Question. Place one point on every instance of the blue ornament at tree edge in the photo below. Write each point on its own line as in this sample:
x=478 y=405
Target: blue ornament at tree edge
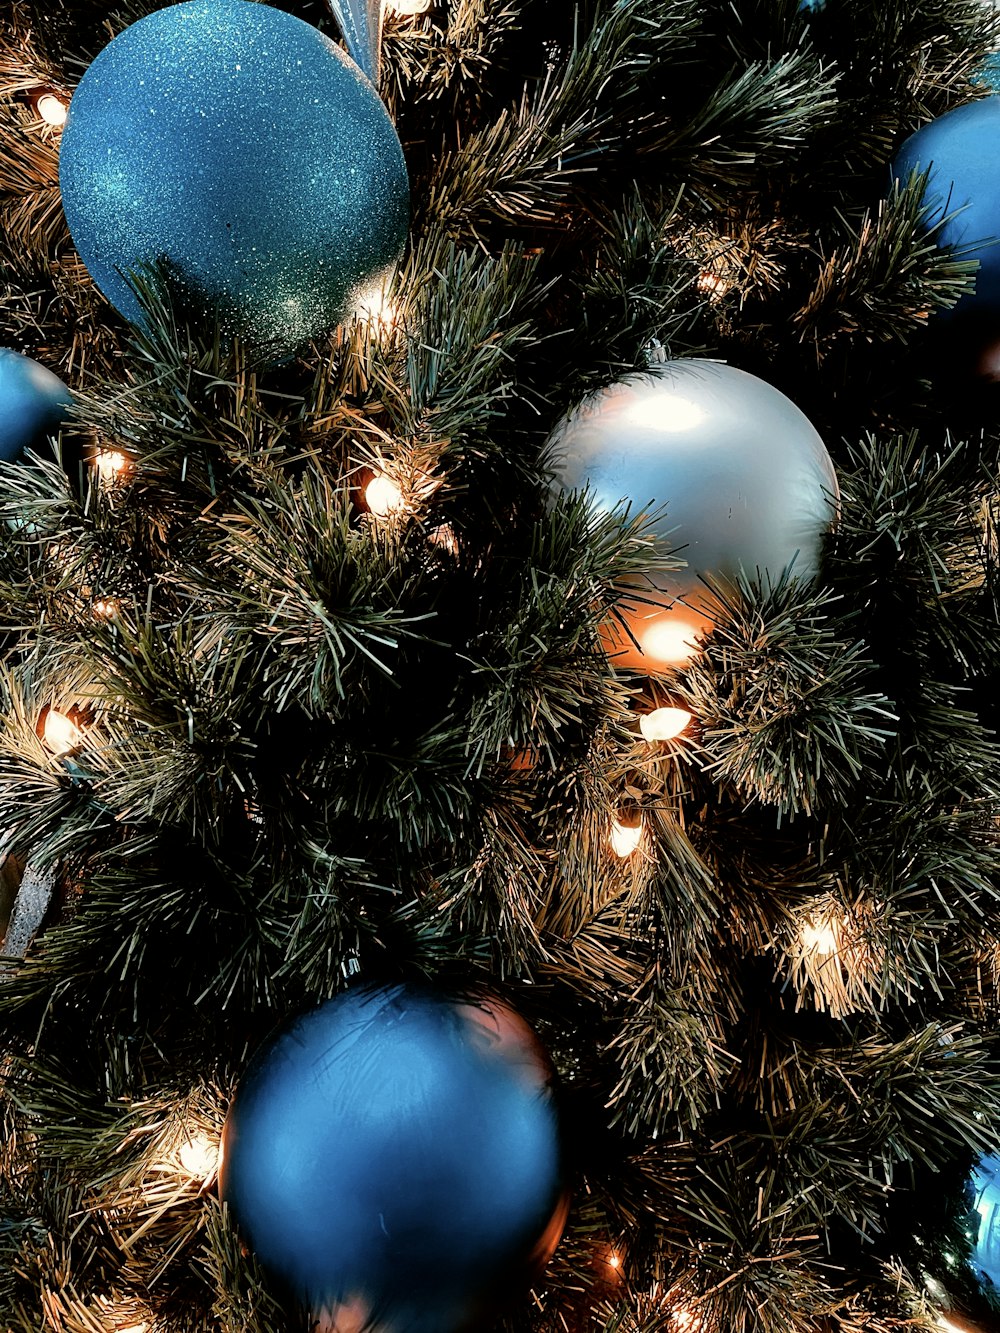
x=393 y=1159
x=240 y=151
x=986 y=1201
x=959 y=150
x=33 y=404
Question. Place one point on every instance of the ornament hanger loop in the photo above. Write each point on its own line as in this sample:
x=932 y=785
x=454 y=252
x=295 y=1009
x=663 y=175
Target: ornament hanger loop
x=360 y=23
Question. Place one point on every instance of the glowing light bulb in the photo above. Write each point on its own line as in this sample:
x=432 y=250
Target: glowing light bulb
x=685 y=1320
x=713 y=286
x=110 y=465
x=668 y=639
x=625 y=838
x=820 y=938
x=199 y=1157
x=614 y=1261
x=663 y=724
x=444 y=537
x=105 y=609
x=383 y=496
x=408 y=8
x=51 y=109
x=61 y=733
x=376 y=305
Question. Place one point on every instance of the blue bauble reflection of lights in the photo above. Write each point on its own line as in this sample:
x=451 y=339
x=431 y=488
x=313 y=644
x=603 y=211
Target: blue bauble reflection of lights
x=986 y=1187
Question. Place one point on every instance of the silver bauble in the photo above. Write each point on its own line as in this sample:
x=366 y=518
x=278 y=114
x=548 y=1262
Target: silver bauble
x=734 y=475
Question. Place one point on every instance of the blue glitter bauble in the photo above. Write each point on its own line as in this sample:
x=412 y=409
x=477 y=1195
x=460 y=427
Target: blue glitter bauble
x=960 y=151
x=240 y=150
x=33 y=404
x=393 y=1158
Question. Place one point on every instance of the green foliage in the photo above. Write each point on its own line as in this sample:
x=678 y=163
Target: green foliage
x=316 y=743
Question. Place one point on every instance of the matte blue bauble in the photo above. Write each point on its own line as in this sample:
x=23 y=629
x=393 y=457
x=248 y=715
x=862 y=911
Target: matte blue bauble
x=960 y=150
x=241 y=150
x=33 y=404
x=393 y=1159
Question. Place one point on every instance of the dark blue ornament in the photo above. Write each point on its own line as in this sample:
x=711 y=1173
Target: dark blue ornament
x=393 y=1158
x=33 y=404
x=243 y=153
x=960 y=151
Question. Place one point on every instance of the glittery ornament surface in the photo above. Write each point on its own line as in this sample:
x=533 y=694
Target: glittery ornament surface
x=241 y=151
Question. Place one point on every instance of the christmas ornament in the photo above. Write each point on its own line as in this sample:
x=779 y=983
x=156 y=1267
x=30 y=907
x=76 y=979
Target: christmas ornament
x=33 y=404
x=736 y=479
x=963 y=185
x=243 y=153
x=986 y=1188
x=393 y=1158
x=361 y=23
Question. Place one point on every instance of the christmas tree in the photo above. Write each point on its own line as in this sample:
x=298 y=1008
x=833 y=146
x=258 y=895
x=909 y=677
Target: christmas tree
x=317 y=672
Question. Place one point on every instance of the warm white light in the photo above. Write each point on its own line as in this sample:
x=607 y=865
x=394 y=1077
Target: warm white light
x=686 y=1321
x=110 y=465
x=375 y=304
x=383 y=496
x=615 y=1261
x=667 y=639
x=663 y=724
x=625 y=838
x=51 y=109
x=199 y=1157
x=660 y=412
x=445 y=538
x=105 y=610
x=61 y=733
x=820 y=938
x=408 y=8
x=713 y=286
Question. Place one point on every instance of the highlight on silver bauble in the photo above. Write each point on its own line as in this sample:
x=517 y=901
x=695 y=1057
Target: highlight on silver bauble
x=733 y=475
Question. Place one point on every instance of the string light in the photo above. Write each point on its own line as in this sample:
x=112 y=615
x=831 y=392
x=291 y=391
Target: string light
x=383 y=496
x=61 y=734
x=625 y=838
x=377 y=306
x=821 y=938
x=51 y=109
x=444 y=538
x=668 y=639
x=713 y=286
x=105 y=609
x=110 y=465
x=664 y=724
x=199 y=1157
x=685 y=1320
